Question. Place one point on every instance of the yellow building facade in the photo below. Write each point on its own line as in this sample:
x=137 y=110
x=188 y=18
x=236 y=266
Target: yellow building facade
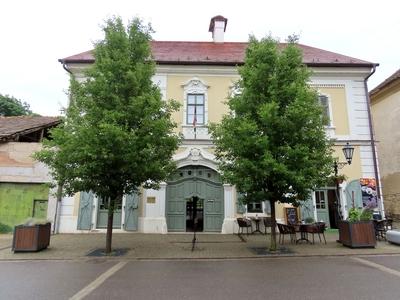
x=201 y=77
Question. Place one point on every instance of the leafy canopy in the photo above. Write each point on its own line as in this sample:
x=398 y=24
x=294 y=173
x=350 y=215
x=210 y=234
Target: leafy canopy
x=117 y=134
x=10 y=106
x=272 y=145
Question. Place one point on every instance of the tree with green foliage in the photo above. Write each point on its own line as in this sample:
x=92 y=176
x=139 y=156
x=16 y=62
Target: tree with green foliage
x=117 y=134
x=273 y=145
x=10 y=106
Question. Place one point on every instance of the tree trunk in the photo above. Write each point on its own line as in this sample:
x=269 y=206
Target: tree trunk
x=110 y=225
x=273 y=227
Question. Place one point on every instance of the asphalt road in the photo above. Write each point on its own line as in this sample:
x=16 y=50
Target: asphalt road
x=372 y=277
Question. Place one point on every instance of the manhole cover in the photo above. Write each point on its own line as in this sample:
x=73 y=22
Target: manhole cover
x=102 y=252
x=266 y=251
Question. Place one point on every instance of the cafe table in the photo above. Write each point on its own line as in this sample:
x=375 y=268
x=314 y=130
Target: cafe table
x=304 y=229
x=257 y=221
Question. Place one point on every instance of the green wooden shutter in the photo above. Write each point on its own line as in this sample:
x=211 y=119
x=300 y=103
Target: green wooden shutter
x=267 y=209
x=240 y=206
x=307 y=208
x=85 y=211
x=353 y=188
x=131 y=212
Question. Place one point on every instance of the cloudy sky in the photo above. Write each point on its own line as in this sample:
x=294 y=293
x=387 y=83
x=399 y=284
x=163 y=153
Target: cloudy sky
x=35 y=34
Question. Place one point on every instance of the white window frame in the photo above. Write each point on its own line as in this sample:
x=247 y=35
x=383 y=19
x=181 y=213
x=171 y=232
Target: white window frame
x=195 y=86
x=329 y=100
x=196 y=105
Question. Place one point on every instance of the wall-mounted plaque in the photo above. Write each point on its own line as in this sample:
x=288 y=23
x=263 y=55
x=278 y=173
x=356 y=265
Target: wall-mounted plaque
x=151 y=200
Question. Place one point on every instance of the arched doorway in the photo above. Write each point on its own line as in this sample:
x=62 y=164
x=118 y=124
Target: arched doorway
x=195 y=195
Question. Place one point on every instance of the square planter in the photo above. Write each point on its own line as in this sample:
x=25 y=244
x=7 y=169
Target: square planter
x=359 y=234
x=31 y=238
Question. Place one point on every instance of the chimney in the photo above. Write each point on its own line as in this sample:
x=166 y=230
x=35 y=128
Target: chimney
x=218 y=27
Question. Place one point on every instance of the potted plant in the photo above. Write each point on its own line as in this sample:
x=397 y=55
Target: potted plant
x=309 y=220
x=358 y=230
x=338 y=179
x=33 y=235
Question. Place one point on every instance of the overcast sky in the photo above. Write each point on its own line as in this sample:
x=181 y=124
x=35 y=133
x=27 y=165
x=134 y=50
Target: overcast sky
x=35 y=34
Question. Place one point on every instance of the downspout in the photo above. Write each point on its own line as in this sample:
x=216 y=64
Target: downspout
x=64 y=64
x=371 y=132
x=58 y=200
x=65 y=67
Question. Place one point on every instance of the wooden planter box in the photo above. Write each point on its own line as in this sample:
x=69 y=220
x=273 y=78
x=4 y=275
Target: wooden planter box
x=31 y=238
x=359 y=234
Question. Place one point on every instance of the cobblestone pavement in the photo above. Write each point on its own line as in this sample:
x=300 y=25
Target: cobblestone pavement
x=179 y=246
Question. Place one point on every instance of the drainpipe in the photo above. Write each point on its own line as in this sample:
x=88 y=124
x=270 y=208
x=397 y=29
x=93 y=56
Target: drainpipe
x=58 y=200
x=65 y=67
x=371 y=132
x=71 y=75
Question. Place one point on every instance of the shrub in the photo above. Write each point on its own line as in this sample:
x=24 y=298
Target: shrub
x=356 y=214
x=366 y=214
x=4 y=228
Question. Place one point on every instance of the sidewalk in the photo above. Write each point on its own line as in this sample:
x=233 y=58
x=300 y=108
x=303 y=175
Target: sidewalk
x=179 y=246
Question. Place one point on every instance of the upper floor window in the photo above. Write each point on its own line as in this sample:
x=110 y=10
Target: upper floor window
x=195 y=109
x=324 y=102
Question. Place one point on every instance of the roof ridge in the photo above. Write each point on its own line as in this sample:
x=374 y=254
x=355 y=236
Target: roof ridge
x=199 y=42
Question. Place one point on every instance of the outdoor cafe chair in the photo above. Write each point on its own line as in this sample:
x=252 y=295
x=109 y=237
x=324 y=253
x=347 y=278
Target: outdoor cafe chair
x=321 y=230
x=244 y=223
x=380 y=229
x=317 y=228
x=267 y=223
x=388 y=224
x=286 y=230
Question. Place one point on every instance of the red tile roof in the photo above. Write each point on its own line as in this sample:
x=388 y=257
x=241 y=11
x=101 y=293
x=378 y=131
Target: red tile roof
x=13 y=126
x=228 y=53
x=391 y=79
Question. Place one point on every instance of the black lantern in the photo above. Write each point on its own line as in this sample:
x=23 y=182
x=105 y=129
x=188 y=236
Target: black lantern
x=348 y=153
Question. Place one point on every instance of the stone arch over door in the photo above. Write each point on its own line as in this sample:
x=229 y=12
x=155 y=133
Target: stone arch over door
x=195 y=181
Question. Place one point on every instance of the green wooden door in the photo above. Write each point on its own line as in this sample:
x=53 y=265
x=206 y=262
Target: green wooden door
x=131 y=212
x=321 y=204
x=102 y=214
x=176 y=206
x=195 y=181
x=213 y=195
x=85 y=211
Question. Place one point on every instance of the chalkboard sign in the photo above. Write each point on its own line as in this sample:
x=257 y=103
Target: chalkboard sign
x=291 y=215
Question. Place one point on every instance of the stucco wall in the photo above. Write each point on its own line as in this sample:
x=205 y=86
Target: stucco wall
x=338 y=105
x=217 y=94
x=17 y=164
x=386 y=117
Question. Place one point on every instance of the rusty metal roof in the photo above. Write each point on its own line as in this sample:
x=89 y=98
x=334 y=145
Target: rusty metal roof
x=12 y=127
